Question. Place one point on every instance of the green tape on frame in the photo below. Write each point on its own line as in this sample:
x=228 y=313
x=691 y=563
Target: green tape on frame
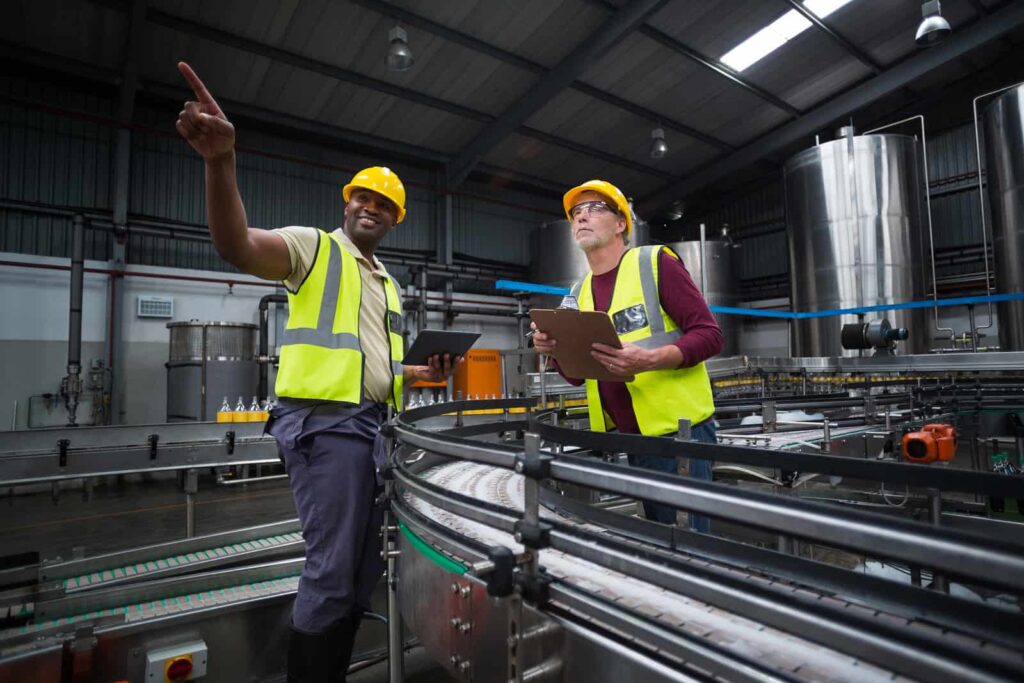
x=440 y=559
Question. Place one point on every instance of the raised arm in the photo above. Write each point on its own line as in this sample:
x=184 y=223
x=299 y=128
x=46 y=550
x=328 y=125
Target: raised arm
x=203 y=124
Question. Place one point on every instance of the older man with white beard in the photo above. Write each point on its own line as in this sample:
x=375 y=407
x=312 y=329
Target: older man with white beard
x=663 y=323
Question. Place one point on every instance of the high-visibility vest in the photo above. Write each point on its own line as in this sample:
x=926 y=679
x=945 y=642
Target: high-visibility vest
x=660 y=397
x=321 y=357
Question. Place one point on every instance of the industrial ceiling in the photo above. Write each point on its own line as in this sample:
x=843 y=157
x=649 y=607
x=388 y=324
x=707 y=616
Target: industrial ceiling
x=543 y=92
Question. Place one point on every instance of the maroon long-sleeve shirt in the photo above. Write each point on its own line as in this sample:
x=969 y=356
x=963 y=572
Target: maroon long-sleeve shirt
x=682 y=300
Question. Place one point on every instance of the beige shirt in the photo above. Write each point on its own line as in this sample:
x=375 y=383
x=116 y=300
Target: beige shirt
x=373 y=336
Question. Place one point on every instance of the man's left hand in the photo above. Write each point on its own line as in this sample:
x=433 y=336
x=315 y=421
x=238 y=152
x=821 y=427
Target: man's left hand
x=625 y=362
x=439 y=368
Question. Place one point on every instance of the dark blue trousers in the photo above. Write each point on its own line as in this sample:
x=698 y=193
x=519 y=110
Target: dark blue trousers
x=332 y=463
x=699 y=469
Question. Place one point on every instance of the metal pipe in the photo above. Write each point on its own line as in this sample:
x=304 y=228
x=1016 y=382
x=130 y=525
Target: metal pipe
x=974 y=328
x=77 y=283
x=191 y=487
x=71 y=385
x=703 y=261
x=981 y=195
x=263 y=351
x=542 y=366
x=939 y=581
x=928 y=208
x=395 y=659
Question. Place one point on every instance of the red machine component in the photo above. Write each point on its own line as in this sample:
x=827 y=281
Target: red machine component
x=934 y=442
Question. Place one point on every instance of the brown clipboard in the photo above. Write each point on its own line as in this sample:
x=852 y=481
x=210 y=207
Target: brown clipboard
x=575 y=331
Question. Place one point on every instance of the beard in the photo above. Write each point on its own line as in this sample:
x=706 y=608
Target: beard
x=591 y=241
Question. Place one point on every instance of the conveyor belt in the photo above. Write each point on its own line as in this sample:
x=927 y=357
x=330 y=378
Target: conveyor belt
x=784 y=652
x=178 y=604
x=65 y=586
x=181 y=562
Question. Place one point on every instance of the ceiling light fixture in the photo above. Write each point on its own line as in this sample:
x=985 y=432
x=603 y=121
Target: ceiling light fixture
x=659 y=147
x=778 y=33
x=399 y=55
x=934 y=28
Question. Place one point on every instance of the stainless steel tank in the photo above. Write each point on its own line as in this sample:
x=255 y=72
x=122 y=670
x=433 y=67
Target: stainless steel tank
x=557 y=259
x=209 y=361
x=1004 y=161
x=856 y=213
x=717 y=282
x=641 y=234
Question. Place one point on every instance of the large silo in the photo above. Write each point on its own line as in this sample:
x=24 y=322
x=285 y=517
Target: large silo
x=717 y=282
x=1004 y=155
x=856 y=213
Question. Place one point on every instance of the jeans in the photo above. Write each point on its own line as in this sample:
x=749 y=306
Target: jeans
x=699 y=469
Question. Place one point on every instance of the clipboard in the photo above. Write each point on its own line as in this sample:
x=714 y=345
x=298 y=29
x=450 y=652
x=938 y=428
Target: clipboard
x=575 y=331
x=439 y=342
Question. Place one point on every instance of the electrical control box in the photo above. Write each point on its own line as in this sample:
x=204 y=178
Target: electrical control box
x=185 y=662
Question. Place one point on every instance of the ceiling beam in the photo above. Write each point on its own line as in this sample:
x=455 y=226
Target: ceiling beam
x=469 y=42
x=709 y=63
x=355 y=141
x=963 y=40
x=621 y=23
x=854 y=51
x=227 y=39
x=979 y=8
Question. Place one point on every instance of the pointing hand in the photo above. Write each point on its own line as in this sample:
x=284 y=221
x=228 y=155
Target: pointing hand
x=202 y=122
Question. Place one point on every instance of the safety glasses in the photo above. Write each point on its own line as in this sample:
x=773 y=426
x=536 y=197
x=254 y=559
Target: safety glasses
x=593 y=208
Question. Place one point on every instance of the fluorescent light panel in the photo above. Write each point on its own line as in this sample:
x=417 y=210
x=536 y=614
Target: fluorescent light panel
x=778 y=33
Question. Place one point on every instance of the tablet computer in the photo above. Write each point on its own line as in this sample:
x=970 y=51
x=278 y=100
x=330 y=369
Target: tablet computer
x=433 y=342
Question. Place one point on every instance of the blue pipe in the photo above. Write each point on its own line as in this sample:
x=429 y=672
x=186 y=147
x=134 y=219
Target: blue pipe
x=795 y=315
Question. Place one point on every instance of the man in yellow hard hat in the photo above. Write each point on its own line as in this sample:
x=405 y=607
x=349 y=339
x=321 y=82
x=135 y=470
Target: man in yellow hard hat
x=664 y=324
x=340 y=367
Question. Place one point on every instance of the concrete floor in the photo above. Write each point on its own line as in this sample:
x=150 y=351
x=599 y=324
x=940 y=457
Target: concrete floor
x=138 y=511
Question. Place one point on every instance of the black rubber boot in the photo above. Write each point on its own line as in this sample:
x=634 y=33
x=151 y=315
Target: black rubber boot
x=342 y=637
x=309 y=657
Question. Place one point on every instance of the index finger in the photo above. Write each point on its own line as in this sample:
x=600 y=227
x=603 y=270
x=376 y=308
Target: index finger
x=202 y=94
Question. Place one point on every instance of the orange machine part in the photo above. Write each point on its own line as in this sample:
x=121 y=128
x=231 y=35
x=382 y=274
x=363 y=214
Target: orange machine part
x=934 y=442
x=480 y=375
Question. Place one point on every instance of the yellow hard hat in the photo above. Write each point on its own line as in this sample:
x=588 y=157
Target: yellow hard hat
x=613 y=193
x=382 y=180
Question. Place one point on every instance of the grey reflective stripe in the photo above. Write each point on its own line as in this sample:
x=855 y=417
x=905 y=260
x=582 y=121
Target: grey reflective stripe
x=577 y=288
x=650 y=290
x=658 y=340
x=324 y=338
x=323 y=334
x=396 y=368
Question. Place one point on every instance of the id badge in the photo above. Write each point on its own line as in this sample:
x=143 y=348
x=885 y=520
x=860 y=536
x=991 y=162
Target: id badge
x=630 y=319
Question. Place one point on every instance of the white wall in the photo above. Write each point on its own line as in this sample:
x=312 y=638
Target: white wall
x=34 y=328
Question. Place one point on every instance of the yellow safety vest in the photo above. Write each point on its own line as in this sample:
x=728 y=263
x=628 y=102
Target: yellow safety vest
x=660 y=397
x=321 y=357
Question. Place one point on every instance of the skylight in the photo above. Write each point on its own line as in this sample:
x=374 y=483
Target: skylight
x=778 y=33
